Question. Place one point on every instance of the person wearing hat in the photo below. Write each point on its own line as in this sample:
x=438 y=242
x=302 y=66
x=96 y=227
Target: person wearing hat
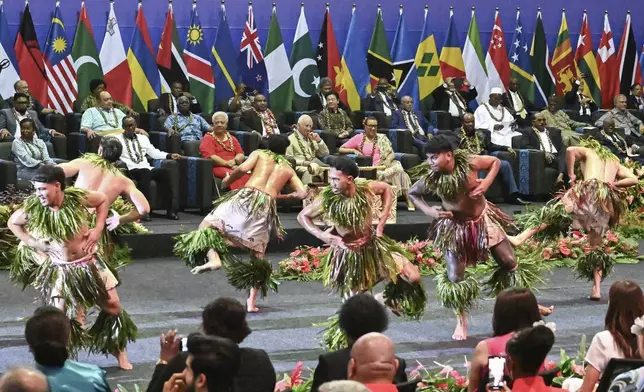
x=497 y=119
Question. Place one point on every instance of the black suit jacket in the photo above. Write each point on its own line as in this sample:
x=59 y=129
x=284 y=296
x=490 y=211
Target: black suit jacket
x=441 y=98
x=166 y=104
x=251 y=122
x=315 y=103
x=256 y=372
x=506 y=101
x=572 y=100
x=35 y=105
x=555 y=137
x=375 y=103
x=333 y=366
x=631 y=103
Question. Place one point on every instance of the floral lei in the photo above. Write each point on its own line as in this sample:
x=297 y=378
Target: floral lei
x=138 y=147
x=115 y=126
x=175 y=122
x=305 y=151
x=487 y=107
x=269 y=121
x=33 y=151
x=373 y=148
x=467 y=143
x=413 y=128
x=449 y=186
x=543 y=148
x=229 y=140
x=610 y=139
x=328 y=120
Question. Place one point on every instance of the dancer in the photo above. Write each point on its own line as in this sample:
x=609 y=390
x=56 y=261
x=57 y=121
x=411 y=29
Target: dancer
x=595 y=204
x=359 y=257
x=467 y=228
x=244 y=218
x=56 y=222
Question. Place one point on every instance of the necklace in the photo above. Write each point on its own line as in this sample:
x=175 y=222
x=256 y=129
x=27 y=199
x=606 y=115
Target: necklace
x=33 y=149
x=458 y=101
x=373 y=148
x=308 y=152
x=327 y=120
x=487 y=107
x=268 y=120
x=467 y=142
x=517 y=110
x=116 y=121
x=175 y=123
x=139 y=157
x=619 y=138
x=414 y=127
x=230 y=147
x=543 y=148
x=448 y=186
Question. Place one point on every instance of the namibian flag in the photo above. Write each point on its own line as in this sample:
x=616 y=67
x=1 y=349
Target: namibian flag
x=451 y=55
x=143 y=65
x=354 y=76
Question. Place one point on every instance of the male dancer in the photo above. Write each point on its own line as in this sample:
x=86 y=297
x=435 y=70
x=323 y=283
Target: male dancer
x=246 y=217
x=56 y=222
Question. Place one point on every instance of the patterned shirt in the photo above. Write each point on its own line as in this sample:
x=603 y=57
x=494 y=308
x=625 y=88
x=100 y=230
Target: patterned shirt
x=625 y=120
x=190 y=127
x=632 y=381
x=335 y=122
x=561 y=121
x=102 y=121
x=91 y=102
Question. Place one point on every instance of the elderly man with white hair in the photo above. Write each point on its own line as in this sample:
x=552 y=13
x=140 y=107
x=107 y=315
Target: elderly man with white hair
x=307 y=148
x=224 y=150
x=496 y=118
x=188 y=125
x=23 y=379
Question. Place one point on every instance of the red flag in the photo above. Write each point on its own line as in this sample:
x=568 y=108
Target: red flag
x=327 y=53
x=606 y=64
x=496 y=61
x=627 y=57
x=30 y=61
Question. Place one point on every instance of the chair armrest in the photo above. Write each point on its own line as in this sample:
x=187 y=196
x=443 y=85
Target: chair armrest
x=401 y=140
x=407 y=160
x=330 y=139
x=8 y=174
x=59 y=146
x=149 y=121
x=195 y=183
x=76 y=144
x=56 y=121
x=169 y=144
x=190 y=148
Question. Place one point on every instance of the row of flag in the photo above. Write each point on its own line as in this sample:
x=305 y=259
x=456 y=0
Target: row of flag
x=61 y=74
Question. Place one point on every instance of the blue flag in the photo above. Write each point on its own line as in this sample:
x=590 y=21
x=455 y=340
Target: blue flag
x=225 y=66
x=251 y=60
x=403 y=53
x=8 y=63
x=520 y=62
x=354 y=76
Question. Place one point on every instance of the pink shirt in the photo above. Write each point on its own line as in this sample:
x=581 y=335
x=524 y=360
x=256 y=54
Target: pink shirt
x=355 y=142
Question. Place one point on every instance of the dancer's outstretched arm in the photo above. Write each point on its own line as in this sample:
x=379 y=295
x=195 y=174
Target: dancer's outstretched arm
x=574 y=154
x=416 y=193
x=299 y=190
x=625 y=177
x=305 y=218
x=485 y=163
x=383 y=190
x=519 y=239
x=243 y=168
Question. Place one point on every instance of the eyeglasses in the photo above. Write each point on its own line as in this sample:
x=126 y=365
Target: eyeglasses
x=21 y=102
x=370 y=126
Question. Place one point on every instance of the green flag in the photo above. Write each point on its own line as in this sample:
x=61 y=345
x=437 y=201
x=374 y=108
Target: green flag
x=278 y=69
x=543 y=80
x=378 y=59
x=305 y=71
x=85 y=55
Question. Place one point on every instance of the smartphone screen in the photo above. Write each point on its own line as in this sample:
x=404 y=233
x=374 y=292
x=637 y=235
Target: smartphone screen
x=496 y=366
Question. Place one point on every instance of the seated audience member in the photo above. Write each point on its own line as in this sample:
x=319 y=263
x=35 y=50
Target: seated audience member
x=96 y=87
x=224 y=150
x=617 y=144
x=635 y=100
x=169 y=101
x=378 y=147
x=478 y=142
x=21 y=86
x=577 y=100
x=343 y=386
x=47 y=334
x=383 y=99
x=335 y=119
x=514 y=310
x=359 y=315
x=526 y=352
x=451 y=98
x=373 y=362
x=211 y=365
x=517 y=104
x=632 y=126
x=260 y=119
x=28 y=151
x=625 y=304
x=412 y=120
x=224 y=317
x=496 y=118
x=10 y=120
x=556 y=118
x=188 y=125
x=317 y=102
x=632 y=380
x=104 y=119
x=24 y=380
x=242 y=100
x=308 y=150
x=136 y=149
x=549 y=141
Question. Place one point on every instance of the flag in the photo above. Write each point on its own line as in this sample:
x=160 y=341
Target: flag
x=278 y=69
x=586 y=63
x=402 y=54
x=251 y=59
x=225 y=67
x=85 y=55
x=354 y=74
x=642 y=63
x=59 y=66
x=427 y=63
x=9 y=74
x=606 y=65
x=451 y=58
x=170 y=55
x=563 y=62
x=627 y=58
x=198 y=65
x=327 y=54
x=473 y=60
x=114 y=61
x=378 y=60
x=140 y=57
x=543 y=79
x=496 y=61
x=520 y=66
x=305 y=71
x=30 y=60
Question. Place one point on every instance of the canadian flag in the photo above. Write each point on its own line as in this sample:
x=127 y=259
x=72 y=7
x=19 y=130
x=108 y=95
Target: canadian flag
x=496 y=61
x=607 y=65
x=115 y=67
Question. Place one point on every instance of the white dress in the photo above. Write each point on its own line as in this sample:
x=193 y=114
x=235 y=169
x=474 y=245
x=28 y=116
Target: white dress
x=601 y=350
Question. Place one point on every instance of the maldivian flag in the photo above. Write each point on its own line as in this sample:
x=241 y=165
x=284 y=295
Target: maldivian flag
x=378 y=60
x=85 y=55
x=306 y=78
x=402 y=53
x=474 y=63
x=140 y=57
x=198 y=65
x=451 y=56
x=278 y=69
x=9 y=75
x=170 y=55
x=354 y=75
x=225 y=66
x=587 y=64
x=520 y=67
x=427 y=64
x=543 y=80
x=563 y=63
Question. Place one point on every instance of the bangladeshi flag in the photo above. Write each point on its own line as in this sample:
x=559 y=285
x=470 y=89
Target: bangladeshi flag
x=30 y=60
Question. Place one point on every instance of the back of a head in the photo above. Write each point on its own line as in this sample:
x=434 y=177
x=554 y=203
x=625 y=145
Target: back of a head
x=529 y=347
x=514 y=309
x=49 y=174
x=47 y=334
x=343 y=386
x=111 y=149
x=226 y=317
x=278 y=144
x=216 y=358
x=346 y=166
x=23 y=380
x=362 y=314
x=438 y=144
x=625 y=304
x=373 y=359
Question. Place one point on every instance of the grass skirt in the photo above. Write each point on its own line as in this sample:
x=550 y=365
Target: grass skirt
x=595 y=259
x=193 y=247
x=256 y=273
x=333 y=337
x=110 y=334
x=527 y=275
x=595 y=205
x=408 y=299
x=461 y=296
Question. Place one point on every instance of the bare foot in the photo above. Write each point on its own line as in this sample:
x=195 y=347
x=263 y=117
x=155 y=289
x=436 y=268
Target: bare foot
x=595 y=294
x=410 y=206
x=123 y=362
x=546 y=311
x=460 y=333
x=251 y=307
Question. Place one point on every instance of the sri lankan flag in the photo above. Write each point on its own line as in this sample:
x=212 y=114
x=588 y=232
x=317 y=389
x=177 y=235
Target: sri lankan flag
x=427 y=63
x=563 y=63
x=451 y=55
x=587 y=64
x=378 y=60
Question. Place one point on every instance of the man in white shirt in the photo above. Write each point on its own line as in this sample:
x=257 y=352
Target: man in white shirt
x=136 y=149
x=497 y=119
x=550 y=142
x=454 y=97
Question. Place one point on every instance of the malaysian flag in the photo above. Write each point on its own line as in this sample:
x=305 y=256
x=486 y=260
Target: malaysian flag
x=59 y=66
x=251 y=59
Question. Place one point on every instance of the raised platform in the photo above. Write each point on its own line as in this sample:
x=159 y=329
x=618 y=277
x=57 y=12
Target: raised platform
x=159 y=242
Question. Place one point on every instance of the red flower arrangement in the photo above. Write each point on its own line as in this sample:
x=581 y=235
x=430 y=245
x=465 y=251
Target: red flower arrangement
x=303 y=264
x=425 y=256
x=569 y=248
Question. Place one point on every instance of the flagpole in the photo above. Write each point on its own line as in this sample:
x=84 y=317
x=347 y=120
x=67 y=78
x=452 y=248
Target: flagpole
x=401 y=10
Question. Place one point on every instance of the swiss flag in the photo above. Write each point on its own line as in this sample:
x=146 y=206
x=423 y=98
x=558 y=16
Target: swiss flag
x=496 y=61
x=607 y=65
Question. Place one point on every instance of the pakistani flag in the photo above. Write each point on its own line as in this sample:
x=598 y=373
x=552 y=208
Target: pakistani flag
x=306 y=77
x=278 y=69
x=85 y=55
x=474 y=61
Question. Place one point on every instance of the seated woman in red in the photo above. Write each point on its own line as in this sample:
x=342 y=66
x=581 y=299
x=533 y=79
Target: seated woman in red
x=224 y=149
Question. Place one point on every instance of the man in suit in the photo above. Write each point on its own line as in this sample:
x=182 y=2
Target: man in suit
x=633 y=127
x=317 y=102
x=412 y=120
x=577 y=101
x=308 y=150
x=169 y=103
x=617 y=144
x=261 y=119
x=549 y=141
x=10 y=120
x=516 y=104
x=359 y=315
x=635 y=100
x=21 y=86
x=373 y=362
x=450 y=97
x=225 y=317
x=383 y=99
